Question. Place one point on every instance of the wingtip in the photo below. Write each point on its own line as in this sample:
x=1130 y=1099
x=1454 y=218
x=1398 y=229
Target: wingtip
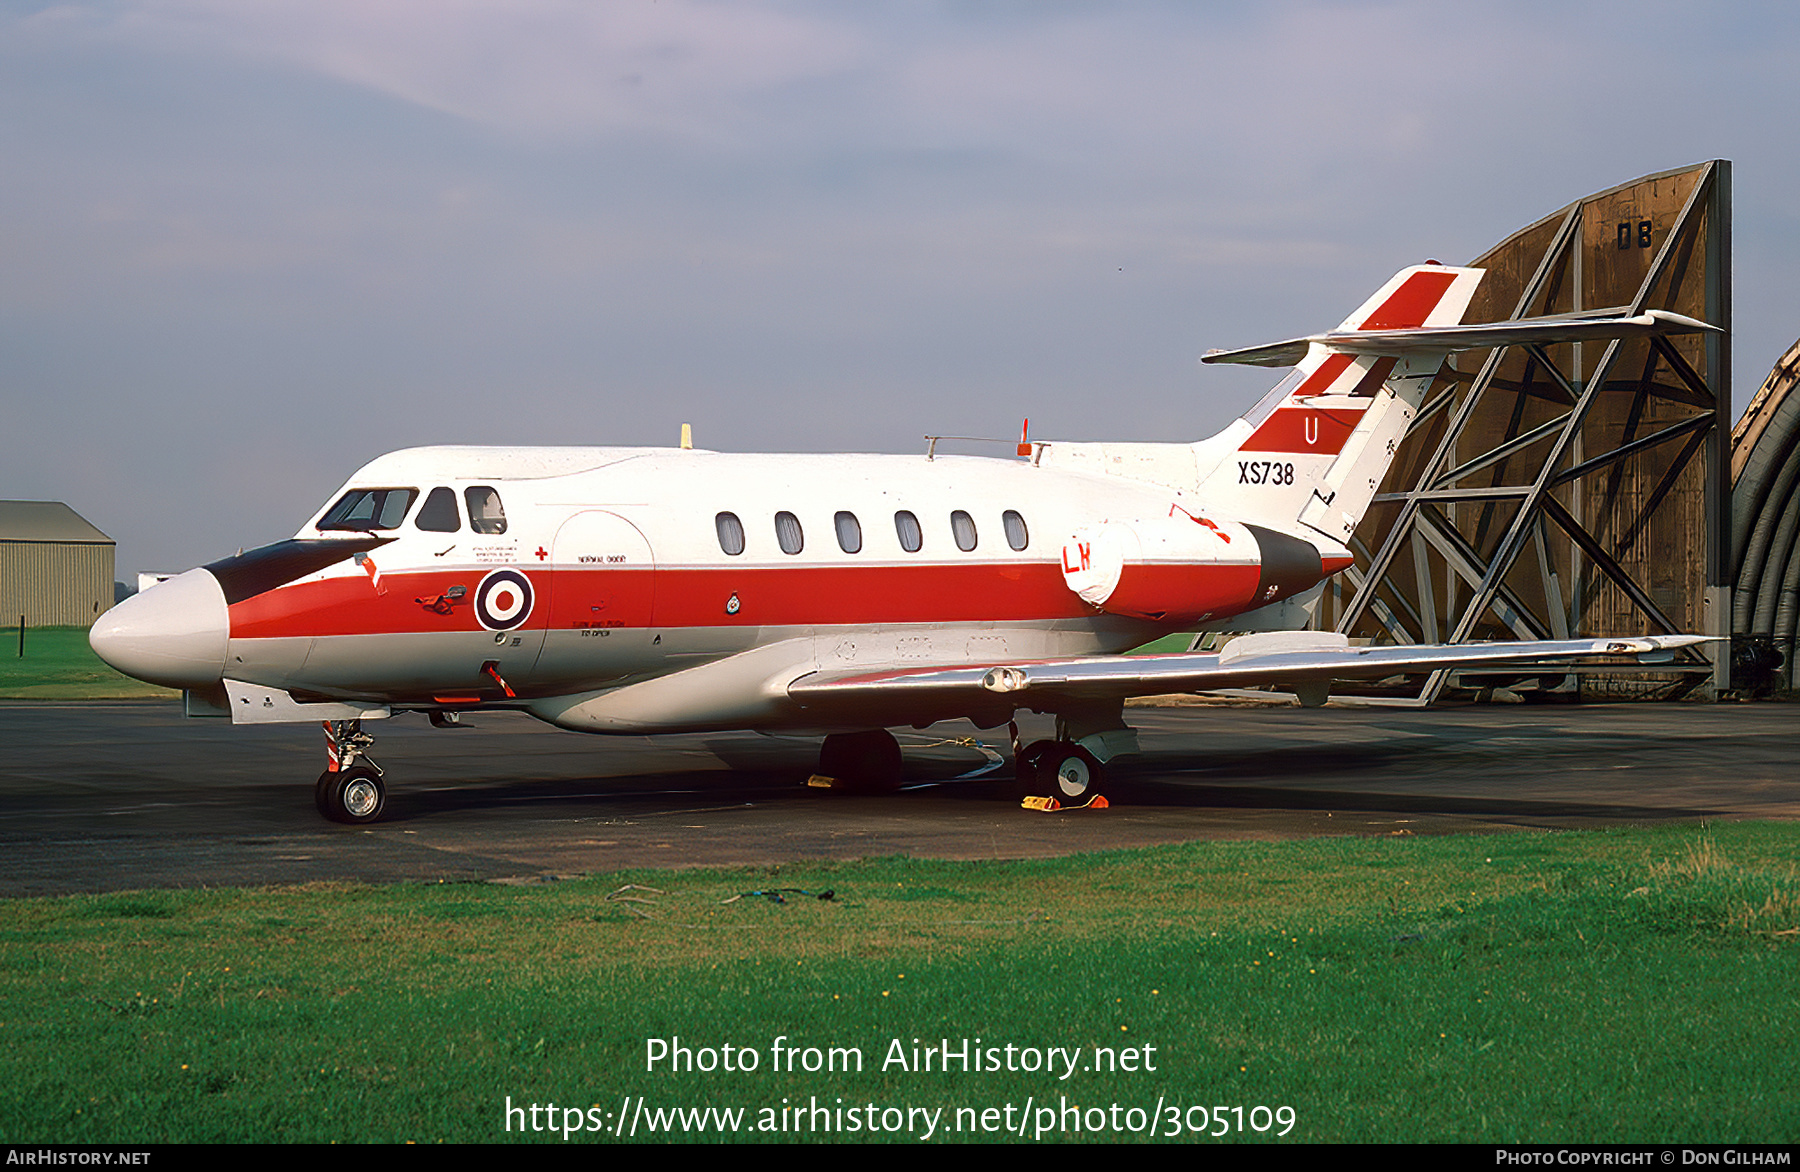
x=1683 y=321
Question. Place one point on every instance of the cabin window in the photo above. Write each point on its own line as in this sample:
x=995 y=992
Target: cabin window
x=849 y=533
x=1017 y=535
x=731 y=533
x=962 y=527
x=438 y=514
x=912 y=538
x=486 y=513
x=366 y=509
x=787 y=532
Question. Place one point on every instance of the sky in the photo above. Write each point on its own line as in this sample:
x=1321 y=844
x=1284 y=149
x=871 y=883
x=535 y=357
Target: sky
x=248 y=245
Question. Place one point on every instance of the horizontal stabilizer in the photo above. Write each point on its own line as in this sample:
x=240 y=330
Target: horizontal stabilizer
x=1446 y=339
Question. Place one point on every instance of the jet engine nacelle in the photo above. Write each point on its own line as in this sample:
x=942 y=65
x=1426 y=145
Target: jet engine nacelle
x=1184 y=567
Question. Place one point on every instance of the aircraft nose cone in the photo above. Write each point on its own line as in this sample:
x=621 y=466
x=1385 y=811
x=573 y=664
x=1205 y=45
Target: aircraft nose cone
x=172 y=634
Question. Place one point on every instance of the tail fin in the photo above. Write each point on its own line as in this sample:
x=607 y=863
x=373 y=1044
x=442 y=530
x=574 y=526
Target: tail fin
x=1310 y=455
x=1313 y=451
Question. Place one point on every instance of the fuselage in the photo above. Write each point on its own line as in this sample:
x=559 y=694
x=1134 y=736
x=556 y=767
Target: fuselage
x=464 y=577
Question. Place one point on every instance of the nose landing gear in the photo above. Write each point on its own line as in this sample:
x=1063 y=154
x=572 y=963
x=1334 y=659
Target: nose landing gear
x=350 y=789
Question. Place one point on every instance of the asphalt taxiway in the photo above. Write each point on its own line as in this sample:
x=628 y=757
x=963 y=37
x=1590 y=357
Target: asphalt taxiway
x=105 y=796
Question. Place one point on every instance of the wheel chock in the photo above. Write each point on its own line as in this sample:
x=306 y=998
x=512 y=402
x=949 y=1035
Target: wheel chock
x=1052 y=806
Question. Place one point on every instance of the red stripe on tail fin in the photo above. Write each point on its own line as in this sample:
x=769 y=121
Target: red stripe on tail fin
x=1411 y=303
x=1378 y=374
x=1320 y=380
x=1304 y=430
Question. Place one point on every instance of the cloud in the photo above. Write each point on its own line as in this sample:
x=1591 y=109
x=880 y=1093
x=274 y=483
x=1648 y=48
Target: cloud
x=553 y=68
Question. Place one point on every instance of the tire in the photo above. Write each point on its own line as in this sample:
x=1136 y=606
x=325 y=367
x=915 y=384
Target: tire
x=1028 y=769
x=355 y=797
x=1070 y=774
x=862 y=761
x=322 y=794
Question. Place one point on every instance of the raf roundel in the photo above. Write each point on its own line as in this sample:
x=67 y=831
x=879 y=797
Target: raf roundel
x=503 y=600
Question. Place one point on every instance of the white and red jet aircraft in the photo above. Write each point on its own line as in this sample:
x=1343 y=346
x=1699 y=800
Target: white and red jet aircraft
x=643 y=590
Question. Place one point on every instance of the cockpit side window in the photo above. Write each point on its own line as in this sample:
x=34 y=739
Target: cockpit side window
x=367 y=509
x=486 y=513
x=438 y=514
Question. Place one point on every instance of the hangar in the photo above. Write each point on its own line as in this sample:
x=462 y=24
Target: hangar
x=1550 y=492
x=1765 y=533
x=56 y=569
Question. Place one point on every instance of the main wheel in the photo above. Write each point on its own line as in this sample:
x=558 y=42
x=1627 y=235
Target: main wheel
x=352 y=796
x=864 y=760
x=1072 y=773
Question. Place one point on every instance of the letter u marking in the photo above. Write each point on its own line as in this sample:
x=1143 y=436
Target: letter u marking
x=1311 y=424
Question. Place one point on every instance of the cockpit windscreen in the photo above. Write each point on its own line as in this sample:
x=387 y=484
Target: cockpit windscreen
x=369 y=509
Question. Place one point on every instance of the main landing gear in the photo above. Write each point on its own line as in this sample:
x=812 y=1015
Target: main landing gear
x=350 y=789
x=1072 y=767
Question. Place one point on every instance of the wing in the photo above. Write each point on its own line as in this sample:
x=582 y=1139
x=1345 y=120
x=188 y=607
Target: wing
x=1290 y=657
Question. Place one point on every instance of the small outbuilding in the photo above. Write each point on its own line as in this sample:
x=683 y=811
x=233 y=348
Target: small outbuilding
x=56 y=569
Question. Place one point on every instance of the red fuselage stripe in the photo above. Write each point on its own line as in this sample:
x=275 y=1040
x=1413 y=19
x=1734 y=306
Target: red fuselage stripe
x=571 y=599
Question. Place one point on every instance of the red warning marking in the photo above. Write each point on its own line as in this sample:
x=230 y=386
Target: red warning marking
x=1217 y=532
x=491 y=669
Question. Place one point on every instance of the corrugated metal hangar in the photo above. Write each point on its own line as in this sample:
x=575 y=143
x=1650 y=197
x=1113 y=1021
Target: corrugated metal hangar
x=1765 y=533
x=56 y=570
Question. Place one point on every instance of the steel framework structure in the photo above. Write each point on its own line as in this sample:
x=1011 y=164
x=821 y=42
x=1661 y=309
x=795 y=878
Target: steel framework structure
x=1543 y=492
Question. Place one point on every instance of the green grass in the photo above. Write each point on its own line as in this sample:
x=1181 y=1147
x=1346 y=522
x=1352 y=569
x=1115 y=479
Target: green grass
x=59 y=665
x=1605 y=986
x=1167 y=645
